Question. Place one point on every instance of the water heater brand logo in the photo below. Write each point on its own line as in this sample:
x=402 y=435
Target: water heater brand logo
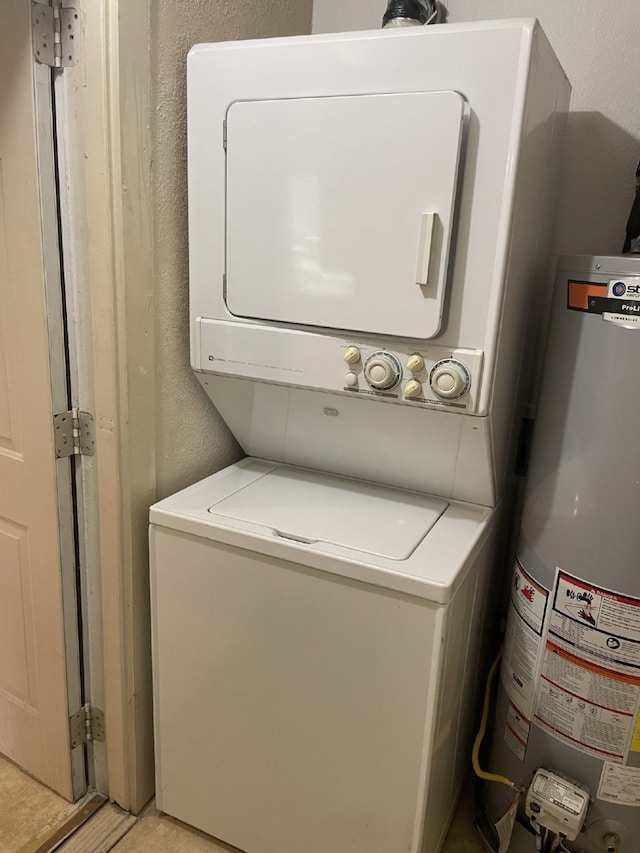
x=622 y=289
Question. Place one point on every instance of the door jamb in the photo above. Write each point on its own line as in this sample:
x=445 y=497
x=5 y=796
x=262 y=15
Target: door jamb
x=54 y=295
x=74 y=240
x=104 y=113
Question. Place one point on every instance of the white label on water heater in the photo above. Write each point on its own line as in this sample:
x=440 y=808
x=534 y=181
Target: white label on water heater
x=620 y=785
x=626 y=293
x=523 y=641
x=516 y=732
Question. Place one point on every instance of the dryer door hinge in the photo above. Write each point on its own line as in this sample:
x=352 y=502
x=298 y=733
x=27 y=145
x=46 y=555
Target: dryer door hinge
x=55 y=34
x=74 y=433
x=86 y=725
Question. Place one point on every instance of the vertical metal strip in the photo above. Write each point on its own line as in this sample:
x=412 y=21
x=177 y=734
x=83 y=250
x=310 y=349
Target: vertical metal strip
x=69 y=92
x=54 y=288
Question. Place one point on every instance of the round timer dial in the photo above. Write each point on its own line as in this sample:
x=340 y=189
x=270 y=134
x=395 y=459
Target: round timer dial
x=382 y=371
x=450 y=379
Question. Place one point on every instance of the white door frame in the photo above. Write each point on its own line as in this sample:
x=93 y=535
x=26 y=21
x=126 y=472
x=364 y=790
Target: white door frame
x=103 y=136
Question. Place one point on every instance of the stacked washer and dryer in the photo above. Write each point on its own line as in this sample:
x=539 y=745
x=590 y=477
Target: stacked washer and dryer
x=369 y=223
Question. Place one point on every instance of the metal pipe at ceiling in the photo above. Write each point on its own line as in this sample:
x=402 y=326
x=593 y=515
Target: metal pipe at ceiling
x=411 y=13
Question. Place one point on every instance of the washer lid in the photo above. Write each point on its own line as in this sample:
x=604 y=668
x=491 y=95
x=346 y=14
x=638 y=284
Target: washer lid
x=309 y=507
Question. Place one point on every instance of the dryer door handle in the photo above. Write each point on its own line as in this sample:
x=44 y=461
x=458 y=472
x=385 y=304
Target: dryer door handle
x=424 y=248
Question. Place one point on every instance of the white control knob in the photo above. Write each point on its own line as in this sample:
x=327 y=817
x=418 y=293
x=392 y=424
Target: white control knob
x=351 y=380
x=413 y=388
x=450 y=379
x=415 y=363
x=352 y=355
x=382 y=371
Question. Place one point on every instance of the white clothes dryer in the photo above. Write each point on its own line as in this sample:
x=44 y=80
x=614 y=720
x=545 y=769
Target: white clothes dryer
x=316 y=646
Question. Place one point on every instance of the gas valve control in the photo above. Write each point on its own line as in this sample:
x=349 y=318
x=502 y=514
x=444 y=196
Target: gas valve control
x=382 y=371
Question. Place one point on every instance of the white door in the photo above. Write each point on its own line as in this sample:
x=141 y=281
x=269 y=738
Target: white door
x=34 y=727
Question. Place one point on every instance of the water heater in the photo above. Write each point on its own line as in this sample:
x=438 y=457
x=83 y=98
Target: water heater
x=569 y=699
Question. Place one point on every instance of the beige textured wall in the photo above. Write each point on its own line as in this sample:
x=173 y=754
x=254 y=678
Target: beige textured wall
x=192 y=441
x=597 y=44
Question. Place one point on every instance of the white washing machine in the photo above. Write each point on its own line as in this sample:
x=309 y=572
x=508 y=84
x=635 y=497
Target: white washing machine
x=369 y=219
x=316 y=649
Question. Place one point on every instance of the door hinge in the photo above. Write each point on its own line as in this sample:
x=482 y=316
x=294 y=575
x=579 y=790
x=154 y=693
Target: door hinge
x=224 y=134
x=55 y=34
x=74 y=433
x=86 y=725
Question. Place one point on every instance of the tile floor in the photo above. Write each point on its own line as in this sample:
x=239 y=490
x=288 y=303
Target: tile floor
x=27 y=809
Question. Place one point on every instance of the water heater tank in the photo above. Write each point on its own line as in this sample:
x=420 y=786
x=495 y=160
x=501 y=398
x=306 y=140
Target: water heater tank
x=569 y=697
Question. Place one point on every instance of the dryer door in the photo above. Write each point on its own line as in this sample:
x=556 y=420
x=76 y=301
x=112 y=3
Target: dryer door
x=340 y=210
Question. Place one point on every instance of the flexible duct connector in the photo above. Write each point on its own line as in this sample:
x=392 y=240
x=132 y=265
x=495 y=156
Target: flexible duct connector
x=410 y=13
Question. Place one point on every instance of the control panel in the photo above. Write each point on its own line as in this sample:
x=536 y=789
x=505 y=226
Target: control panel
x=556 y=804
x=432 y=376
x=426 y=375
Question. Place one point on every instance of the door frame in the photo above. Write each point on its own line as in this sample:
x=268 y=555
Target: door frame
x=60 y=394
x=104 y=154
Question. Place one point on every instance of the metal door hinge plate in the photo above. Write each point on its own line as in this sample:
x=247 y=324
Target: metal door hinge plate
x=74 y=434
x=86 y=725
x=55 y=34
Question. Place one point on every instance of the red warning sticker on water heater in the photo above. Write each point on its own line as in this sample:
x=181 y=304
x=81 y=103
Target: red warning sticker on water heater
x=589 y=685
x=587 y=706
x=597 y=624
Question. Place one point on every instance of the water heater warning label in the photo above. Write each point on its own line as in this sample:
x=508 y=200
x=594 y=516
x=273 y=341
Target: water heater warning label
x=595 y=623
x=523 y=642
x=589 y=685
x=587 y=706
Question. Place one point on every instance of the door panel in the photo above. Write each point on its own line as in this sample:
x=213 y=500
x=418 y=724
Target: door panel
x=34 y=714
x=16 y=614
x=340 y=210
x=6 y=431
